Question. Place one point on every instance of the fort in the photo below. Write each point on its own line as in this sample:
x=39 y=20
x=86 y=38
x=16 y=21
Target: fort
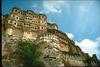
x=59 y=49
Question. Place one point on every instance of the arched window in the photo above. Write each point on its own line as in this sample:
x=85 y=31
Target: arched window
x=10 y=21
x=41 y=27
x=15 y=23
x=37 y=27
x=29 y=24
x=15 y=10
x=24 y=24
x=17 y=17
x=12 y=15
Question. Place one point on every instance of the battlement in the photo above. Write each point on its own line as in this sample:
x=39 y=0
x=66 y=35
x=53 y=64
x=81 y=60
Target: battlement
x=26 y=23
x=52 y=26
x=29 y=13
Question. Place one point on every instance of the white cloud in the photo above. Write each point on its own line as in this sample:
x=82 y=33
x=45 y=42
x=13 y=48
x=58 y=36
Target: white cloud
x=70 y=35
x=90 y=46
x=53 y=6
x=52 y=22
x=34 y=5
x=41 y=12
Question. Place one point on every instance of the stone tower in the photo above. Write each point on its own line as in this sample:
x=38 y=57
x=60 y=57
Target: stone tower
x=27 y=24
x=59 y=50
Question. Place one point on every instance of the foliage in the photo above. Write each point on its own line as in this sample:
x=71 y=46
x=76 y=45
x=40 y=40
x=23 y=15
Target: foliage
x=29 y=53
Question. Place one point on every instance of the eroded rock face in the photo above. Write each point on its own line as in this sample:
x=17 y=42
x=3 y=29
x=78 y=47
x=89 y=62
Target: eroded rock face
x=58 y=49
x=59 y=53
x=53 y=57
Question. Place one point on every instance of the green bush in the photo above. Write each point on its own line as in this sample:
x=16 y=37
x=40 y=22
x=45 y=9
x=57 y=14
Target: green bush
x=28 y=54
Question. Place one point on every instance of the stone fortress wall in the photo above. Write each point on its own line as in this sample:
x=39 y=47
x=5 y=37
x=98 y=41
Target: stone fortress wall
x=59 y=49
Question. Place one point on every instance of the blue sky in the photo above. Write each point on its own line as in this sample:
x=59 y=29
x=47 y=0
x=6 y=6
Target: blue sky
x=80 y=20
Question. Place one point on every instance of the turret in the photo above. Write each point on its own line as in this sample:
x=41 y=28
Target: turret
x=52 y=26
x=16 y=10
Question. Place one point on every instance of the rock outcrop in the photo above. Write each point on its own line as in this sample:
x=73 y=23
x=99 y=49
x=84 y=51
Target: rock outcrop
x=59 y=50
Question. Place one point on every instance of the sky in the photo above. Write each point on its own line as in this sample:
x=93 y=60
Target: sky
x=79 y=19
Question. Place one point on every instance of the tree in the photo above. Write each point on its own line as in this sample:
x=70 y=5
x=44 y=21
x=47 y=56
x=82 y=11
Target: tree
x=28 y=54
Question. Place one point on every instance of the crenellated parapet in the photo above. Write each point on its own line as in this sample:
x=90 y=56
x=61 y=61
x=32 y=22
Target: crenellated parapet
x=59 y=49
x=52 y=26
x=23 y=23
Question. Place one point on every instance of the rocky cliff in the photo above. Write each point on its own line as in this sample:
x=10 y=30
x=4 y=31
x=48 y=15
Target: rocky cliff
x=59 y=50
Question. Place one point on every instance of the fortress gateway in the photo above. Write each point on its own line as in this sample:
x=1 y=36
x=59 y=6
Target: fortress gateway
x=59 y=50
